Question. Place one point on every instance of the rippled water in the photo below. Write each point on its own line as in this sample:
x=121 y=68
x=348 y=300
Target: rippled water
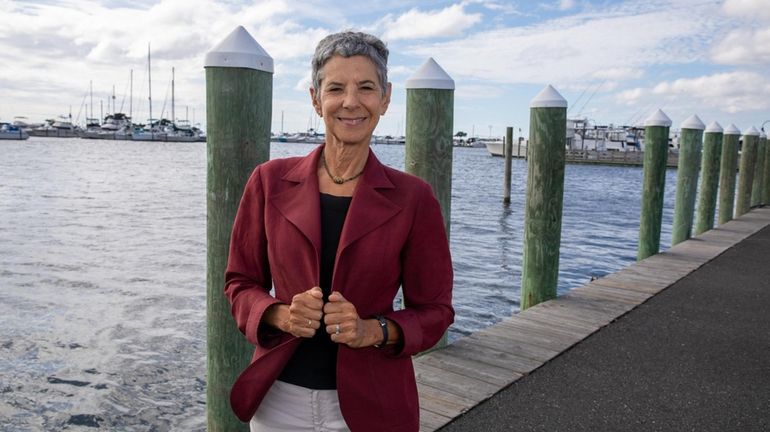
x=102 y=270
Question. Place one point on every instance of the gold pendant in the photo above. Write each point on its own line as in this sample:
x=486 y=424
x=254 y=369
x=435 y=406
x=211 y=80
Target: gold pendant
x=338 y=180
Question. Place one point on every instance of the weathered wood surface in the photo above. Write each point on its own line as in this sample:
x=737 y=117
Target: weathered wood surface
x=746 y=174
x=456 y=378
x=728 y=167
x=757 y=190
x=653 y=189
x=238 y=111
x=686 y=183
x=428 y=148
x=709 y=186
x=543 y=212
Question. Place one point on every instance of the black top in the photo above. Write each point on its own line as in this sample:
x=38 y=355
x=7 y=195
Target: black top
x=314 y=364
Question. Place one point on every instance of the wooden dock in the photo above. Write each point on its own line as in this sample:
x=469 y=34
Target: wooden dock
x=623 y=158
x=471 y=370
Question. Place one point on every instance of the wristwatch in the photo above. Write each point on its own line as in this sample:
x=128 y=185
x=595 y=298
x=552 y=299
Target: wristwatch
x=384 y=326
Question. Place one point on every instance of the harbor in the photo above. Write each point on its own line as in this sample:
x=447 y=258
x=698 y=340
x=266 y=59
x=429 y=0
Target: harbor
x=126 y=236
x=608 y=246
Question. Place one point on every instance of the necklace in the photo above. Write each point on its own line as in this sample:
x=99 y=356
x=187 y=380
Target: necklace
x=336 y=179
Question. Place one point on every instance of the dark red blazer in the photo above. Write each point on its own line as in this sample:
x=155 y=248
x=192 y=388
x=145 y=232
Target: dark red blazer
x=393 y=237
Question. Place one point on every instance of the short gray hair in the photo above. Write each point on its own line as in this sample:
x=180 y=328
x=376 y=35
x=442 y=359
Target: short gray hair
x=348 y=44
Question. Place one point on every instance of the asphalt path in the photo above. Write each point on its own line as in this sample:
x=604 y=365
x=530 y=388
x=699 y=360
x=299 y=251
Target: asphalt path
x=696 y=357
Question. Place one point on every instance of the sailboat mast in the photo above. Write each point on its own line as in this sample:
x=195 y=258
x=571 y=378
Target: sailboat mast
x=113 y=99
x=149 y=80
x=173 y=118
x=91 y=88
x=131 y=96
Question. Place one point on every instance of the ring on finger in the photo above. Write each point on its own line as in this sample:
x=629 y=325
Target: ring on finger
x=337 y=329
x=309 y=323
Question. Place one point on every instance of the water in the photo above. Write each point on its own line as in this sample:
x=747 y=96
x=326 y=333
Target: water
x=102 y=270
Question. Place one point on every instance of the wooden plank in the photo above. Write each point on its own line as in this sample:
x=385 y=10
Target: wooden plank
x=489 y=357
x=450 y=382
x=469 y=368
x=622 y=309
x=664 y=261
x=616 y=293
x=642 y=267
x=430 y=422
x=561 y=343
x=501 y=341
x=495 y=357
x=559 y=332
x=645 y=268
x=582 y=324
x=660 y=281
x=593 y=295
x=646 y=274
x=443 y=403
x=608 y=308
x=529 y=338
x=564 y=329
x=630 y=284
x=697 y=249
x=579 y=313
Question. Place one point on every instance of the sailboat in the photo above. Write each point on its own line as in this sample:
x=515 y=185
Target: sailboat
x=163 y=129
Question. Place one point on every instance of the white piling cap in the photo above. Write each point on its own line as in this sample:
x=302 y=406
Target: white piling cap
x=693 y=122
x=239 y=50
x=659 y=118
x=732 y=130
x=752 y=132
x=548 y=98
x=714 y=127
x=430 y=76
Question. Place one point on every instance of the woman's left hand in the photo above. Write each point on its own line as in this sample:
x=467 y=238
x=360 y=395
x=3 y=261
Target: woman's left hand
x=343 y=323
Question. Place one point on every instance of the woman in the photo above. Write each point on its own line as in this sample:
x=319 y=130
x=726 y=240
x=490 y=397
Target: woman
x=336 y=233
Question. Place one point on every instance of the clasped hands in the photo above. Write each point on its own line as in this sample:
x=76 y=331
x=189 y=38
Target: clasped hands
x=307 y=313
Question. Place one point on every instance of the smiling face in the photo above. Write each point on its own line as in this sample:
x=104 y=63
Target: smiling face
x=351 y=100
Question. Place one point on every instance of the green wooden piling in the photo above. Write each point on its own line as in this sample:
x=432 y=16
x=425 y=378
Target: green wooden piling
x=709 y=183
x=429 y=123
x=727 y=173
x=545 y=194
x=654 y=183
x=508 y=153
x=746 y=171
x=766 y=176
x=690 y=143
x=239 y=86
x=757 y=189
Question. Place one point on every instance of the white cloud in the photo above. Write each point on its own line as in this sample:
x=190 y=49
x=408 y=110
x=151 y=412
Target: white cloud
x=730 y=91
x=416 y=24
x=747 y=8
x=566 y=4
x=576 y=48
x=630 y=97
x=743 y=46
x=619 y=73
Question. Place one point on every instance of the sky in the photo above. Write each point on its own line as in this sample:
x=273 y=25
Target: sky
x=615 y=62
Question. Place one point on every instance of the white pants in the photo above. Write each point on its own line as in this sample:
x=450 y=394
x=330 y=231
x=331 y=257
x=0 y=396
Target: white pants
x=288 y=407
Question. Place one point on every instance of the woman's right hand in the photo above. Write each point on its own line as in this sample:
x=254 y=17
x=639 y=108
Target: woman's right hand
x=302 y=317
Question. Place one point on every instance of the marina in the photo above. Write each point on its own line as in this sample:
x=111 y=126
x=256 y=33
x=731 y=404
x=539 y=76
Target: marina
x=125 y=236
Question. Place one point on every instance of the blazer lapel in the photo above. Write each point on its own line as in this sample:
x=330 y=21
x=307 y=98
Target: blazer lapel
x=369 y=208
x=301 y=204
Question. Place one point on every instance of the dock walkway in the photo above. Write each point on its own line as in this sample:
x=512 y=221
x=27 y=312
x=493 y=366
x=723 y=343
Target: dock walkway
x=688 y=349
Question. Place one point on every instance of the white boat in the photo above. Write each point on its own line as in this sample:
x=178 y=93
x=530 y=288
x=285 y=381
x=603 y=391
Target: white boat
x=61 y=127
x=24 y=123
x=11 y=132
x=495 y=147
